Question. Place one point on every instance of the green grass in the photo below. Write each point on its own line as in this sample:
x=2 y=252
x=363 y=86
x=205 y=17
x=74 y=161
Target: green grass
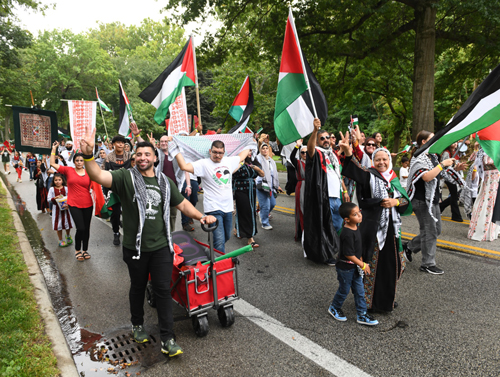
x=279 y=165
x=25 y=349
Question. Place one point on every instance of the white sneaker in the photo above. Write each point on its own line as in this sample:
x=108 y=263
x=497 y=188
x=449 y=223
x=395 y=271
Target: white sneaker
x=267 y=227
x=20 y=181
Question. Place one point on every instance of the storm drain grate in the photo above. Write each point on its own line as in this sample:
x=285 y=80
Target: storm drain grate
x=122 y=348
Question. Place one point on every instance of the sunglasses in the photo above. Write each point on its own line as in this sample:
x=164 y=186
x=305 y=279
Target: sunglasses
x=303 y=152
x=371 y=145
x=324 y=137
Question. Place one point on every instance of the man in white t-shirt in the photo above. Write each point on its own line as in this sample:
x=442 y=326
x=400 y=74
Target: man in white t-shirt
x=67 y=154
x=216 y=175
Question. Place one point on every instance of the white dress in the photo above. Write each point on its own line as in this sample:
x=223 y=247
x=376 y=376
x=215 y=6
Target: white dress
x=481 y=227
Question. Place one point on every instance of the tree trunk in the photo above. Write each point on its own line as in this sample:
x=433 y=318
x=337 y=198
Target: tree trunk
x=423 y=83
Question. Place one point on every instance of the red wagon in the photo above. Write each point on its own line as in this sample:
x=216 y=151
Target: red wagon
x=198 y=289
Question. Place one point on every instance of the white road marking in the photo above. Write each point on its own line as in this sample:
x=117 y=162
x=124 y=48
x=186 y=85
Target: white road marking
x=298 y=342
x=314 y=352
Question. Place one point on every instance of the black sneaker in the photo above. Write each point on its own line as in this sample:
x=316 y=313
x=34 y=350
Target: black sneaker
x=408 y=252
x=140 y=335
x=171 y=348
x=331 y=262
x=116 y=239
x=434 y=270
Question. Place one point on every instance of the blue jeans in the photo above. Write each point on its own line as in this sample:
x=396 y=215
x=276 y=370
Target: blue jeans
x=266 y=203
x=334 y=209
x=193 y=198
x=32 y=171
x=350 y=280
x=223 y=231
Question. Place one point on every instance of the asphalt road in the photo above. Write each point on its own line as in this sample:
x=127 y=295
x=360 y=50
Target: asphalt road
x=444 y=326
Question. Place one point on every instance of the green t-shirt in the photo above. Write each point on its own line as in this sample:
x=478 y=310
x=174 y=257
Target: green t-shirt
x=153 y=232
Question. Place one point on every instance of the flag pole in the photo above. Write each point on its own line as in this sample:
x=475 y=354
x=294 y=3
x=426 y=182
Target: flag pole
x=196 y=83
x=458 y=147
x=100 y=108
x=103 y=122
x=302 y=62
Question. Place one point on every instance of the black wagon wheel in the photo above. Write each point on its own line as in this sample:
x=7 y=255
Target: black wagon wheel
x=200 y=325
x=226 y=315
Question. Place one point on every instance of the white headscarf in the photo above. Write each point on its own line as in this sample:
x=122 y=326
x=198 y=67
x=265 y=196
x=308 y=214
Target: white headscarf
x=388 y=173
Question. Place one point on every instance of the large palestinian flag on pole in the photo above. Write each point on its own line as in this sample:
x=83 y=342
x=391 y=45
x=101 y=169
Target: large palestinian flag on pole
x=168 y=86
x=295 y=109
x=242 y=107
x=489 y=139
x=125 y=113
x=481 y=110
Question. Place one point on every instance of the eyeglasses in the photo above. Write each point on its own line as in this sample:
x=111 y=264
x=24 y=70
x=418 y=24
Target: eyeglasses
x=324 y=137
x=371 y=145
x=218 y=153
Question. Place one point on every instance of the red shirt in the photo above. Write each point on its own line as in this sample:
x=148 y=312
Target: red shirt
x=79 y=188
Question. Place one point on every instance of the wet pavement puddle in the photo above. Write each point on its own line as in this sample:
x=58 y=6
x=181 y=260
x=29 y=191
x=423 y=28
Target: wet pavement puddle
x=94 y=354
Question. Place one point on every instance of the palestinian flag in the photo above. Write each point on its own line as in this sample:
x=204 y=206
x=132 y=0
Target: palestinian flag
x=125 y=113
x=489 y=139
x=245 y=130
x=101 y=102
x=62 y=134
x=406 y=149
x=295 y=109
x=242 y=107
x=481 y=110
x=168 y=86
x=354 y=121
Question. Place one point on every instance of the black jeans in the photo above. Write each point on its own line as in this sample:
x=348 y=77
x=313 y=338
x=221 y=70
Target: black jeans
x=159 y=264
x=82 y=218
x=115 y=217
x=452 y=201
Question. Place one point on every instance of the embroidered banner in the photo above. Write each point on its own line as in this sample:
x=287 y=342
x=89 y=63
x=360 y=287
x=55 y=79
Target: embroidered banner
x=81 y=114
x=34 y=129
x=178 y=122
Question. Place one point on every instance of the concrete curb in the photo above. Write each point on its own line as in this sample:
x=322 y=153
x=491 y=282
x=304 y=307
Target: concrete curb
x=65 y=362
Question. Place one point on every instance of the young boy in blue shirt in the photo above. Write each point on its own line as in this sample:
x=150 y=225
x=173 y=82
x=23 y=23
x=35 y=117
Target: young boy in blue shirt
x=350 y=267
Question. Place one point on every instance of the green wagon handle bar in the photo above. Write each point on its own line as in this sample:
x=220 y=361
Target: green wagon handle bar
x=232 y=254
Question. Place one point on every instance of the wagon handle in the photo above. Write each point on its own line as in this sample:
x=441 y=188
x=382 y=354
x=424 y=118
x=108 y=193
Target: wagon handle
x=210 y=228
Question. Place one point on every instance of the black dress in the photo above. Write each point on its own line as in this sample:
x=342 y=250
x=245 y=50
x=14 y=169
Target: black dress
x=386 y=264
x=245 y=196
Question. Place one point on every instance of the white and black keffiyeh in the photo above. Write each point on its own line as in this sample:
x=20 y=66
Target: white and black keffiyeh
x=380 y=189
x=418 y=167
x=140 y=196
x=466 y=193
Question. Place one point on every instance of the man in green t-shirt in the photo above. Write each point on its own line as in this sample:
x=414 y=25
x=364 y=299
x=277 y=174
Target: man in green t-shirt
x=146 y=198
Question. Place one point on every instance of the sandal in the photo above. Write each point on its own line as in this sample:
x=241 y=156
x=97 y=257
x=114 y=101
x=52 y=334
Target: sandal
x=79 y=257
x=86 y=255
x=236 y=234
x=254 y=244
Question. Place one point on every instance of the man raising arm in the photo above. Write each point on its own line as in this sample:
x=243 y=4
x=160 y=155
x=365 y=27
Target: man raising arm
x=146 y=198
